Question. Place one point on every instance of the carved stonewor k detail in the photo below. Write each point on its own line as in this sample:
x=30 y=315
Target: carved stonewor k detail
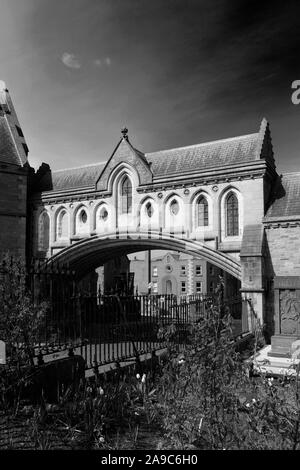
x=289 y=312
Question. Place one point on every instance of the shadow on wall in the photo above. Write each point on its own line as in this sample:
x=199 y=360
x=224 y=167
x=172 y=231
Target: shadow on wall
x=268 y=276
x=277 y=192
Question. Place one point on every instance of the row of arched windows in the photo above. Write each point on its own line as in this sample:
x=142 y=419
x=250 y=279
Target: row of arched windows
x=201 y=215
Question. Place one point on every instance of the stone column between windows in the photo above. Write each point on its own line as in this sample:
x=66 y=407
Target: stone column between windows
x=190 y=277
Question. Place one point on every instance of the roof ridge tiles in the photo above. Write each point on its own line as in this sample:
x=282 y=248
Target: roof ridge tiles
x=204 y=143
x=79 y=167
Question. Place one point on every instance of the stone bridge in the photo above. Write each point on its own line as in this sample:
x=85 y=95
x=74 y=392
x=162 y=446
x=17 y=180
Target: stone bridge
x=223 y=201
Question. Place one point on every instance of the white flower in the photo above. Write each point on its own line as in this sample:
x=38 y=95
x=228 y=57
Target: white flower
x=138 y=376
x=101 y=439
x=270 y=382
x=101 y=391
x=181 y=361
x=247 y=405
x=253 y=400
x=144 y=378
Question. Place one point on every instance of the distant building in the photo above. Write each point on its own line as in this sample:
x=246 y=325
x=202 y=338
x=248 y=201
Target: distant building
x=179 y=274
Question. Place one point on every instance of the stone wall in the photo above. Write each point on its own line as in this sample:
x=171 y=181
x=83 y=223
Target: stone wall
x=13 y=194
x=284 y=246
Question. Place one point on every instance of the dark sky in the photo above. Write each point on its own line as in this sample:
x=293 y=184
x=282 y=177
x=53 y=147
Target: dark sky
x=175 y=72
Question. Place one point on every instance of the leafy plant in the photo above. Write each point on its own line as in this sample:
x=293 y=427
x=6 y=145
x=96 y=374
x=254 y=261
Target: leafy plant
x=208 y=400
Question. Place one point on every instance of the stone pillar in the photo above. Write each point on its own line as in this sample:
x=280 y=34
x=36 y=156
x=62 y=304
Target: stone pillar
x=287 y=315
x=252 y=264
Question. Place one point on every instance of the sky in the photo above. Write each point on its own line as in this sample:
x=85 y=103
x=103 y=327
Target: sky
x=174 y=72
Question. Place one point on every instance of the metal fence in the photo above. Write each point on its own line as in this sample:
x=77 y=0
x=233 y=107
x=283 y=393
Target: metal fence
x=109 y=328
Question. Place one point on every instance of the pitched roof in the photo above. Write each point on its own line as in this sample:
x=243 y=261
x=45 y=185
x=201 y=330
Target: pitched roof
x=76 y=177
x=164 y=163
x=286 y=198
x=207 y=155
x=8 y=151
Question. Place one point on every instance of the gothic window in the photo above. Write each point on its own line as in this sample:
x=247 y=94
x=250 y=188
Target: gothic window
x=202 y=212
x=83 y=217
x=174 y=207
x=81 y=221
x=104 y=214
x=43 y=232
x=62 y=224
x=232 y=215
x=126 y=195
x=149 y=209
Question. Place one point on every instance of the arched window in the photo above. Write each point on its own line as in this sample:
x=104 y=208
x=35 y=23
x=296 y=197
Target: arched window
x=202 y=212
x=62 y=224
x=174 y=207
x=103 y=214
x=43 y=232
x=149 y=209
x=83 y=217
x=126 y=195
x=232 y=215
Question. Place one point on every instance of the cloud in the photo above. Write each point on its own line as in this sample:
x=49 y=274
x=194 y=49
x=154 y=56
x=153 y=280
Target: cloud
x=70 y=60
x=100 y=62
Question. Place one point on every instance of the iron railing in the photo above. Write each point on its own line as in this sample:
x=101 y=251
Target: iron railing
x=109 y=328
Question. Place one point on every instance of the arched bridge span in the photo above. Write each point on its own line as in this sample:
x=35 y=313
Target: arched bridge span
x=89 y=253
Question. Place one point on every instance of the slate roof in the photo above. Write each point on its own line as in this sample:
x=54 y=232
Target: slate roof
x=8 y=151
x=76 y=177
x=207 y=155
x=286 y=198
x=199 y=157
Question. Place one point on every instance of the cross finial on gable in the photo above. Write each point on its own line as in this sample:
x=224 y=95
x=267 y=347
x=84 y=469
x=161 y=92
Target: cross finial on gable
x=124 y=132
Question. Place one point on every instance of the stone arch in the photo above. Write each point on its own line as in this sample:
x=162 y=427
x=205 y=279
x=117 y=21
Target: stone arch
x=193 y=213
x=171 y=219
x=117 y=175
x=143 y=213
x=81 y=225
x=91 y=252
x=222 y=214
x=169 y=280
x=99 y=219
x=125 y=195
x=62 y=218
